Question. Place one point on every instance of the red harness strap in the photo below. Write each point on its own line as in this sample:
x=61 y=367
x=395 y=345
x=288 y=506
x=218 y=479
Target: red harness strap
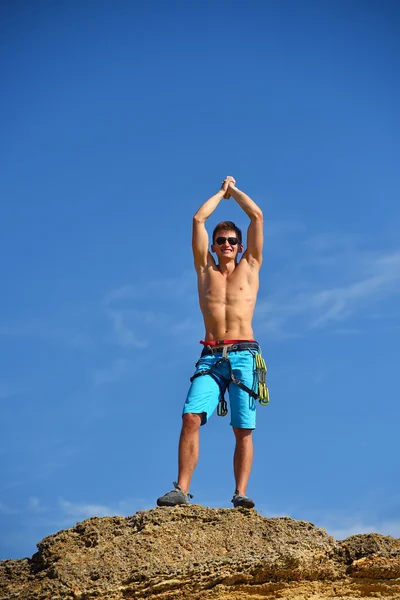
x=223 y=342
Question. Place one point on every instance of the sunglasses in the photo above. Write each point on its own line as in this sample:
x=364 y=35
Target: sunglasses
x=232 y=240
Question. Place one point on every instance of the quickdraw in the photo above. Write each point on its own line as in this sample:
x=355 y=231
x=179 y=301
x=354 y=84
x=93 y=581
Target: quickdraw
x=262 y=395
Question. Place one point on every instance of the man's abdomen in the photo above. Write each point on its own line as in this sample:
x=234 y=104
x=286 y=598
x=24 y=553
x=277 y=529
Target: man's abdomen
x=226 y=323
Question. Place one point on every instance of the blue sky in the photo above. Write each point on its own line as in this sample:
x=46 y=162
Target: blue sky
x=118 y=120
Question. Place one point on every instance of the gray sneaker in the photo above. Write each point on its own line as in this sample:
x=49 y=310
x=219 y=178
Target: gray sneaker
x=174 y=497
x=242 y=501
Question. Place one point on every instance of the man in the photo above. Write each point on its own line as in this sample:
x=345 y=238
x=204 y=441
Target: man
x=227 y=295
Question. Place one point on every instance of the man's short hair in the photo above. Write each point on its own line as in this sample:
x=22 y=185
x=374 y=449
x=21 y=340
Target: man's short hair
x=227 y=226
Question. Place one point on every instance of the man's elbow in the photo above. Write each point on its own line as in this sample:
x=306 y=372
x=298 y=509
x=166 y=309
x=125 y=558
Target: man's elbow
x=198 y=219
x=258 y=216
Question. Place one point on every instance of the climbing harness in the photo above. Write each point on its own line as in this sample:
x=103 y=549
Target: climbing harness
x=262 y=394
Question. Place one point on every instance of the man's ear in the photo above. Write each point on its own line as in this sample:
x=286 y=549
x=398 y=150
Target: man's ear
x=240 y=248
x=212 y=248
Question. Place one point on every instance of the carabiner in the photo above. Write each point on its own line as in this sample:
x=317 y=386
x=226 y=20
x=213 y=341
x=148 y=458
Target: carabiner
x=222 y=408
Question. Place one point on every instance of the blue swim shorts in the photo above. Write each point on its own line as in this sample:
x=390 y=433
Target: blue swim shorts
x=205 y=393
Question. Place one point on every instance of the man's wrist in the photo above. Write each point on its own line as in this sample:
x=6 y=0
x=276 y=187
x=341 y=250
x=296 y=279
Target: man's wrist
x=228 y=192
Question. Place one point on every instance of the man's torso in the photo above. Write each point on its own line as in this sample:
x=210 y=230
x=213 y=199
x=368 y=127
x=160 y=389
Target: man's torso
x=227 y=302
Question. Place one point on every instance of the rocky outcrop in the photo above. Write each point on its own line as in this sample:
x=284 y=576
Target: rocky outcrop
x=198 y=553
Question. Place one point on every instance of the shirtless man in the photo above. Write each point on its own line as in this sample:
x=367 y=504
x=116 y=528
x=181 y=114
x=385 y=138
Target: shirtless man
x=227 y=295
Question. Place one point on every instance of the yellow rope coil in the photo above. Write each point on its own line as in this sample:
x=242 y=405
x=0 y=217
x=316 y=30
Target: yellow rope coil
x=262 y=380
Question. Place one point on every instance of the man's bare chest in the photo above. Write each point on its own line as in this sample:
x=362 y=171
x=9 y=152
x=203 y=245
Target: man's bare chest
x=238 y=286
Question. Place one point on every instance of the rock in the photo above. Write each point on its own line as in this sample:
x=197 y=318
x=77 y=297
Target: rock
x=197 y=553
x=372 y=556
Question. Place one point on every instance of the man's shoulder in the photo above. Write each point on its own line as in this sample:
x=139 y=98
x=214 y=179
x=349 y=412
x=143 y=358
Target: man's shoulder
x=248 y=269
x=206 y=269
x=250 y=262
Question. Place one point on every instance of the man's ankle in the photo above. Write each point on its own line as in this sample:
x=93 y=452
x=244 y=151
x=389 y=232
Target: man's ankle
x=183 y=488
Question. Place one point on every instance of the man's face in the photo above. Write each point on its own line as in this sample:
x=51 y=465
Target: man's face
x=223 y=245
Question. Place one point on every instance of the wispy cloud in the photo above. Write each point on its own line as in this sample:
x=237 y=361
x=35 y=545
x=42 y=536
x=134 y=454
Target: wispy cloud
x=340 y=525
x=340 y=302
x=153 y=309
x=354 y=525
x=85 y=510
x=35 y=505
x=120 y=369
x=363 y=280
x=124 y=333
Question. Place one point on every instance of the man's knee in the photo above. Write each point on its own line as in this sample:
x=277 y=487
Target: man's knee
x=191 y=421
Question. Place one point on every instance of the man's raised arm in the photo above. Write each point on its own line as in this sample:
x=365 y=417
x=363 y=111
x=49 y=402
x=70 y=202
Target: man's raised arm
x=255 y=236
x=201 y=253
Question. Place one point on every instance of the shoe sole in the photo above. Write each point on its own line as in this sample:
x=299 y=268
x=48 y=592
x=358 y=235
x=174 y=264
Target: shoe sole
x=245 y=505
x=172 y=504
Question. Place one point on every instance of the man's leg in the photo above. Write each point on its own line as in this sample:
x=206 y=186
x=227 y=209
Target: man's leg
x=243 y=422
x=187 y=460
x=189 y=445
x=242 y=459
x=200 y=403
